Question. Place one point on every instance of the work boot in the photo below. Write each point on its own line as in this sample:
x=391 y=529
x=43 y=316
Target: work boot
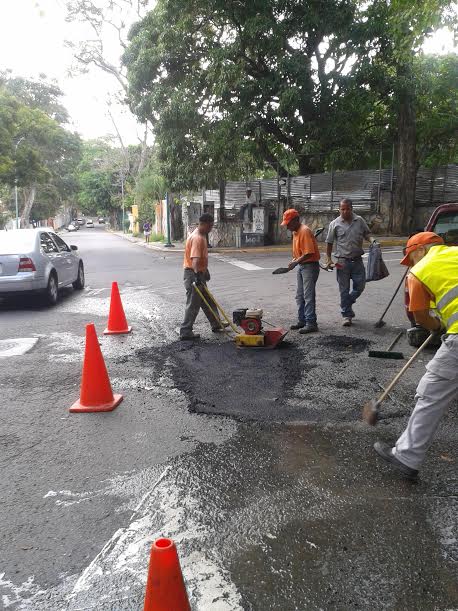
x=309 y=328
x=385 y=451
x=190 y=336
x=297 y=326
x=346 y=322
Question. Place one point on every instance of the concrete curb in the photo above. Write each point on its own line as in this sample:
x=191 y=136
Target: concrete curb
x=178 y=247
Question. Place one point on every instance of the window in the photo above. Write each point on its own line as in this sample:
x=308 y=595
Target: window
x=47 y=244
x=447 y=227
x=61 y=244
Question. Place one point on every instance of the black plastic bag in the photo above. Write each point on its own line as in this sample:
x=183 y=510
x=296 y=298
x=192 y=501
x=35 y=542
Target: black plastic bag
x=376 y=268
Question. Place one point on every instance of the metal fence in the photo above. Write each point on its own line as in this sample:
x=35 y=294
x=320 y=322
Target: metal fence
x=324 y=191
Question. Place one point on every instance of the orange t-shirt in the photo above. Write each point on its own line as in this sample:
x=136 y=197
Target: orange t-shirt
x=304 y=243
x=419 y=296
x=196 y=247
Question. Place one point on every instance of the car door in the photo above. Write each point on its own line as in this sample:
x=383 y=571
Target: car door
x=51 y=251
x=70 y=262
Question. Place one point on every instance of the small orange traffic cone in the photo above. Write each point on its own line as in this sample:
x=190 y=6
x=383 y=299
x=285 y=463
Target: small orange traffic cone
x=117 y=323
x=96 y=394
x=165 y=589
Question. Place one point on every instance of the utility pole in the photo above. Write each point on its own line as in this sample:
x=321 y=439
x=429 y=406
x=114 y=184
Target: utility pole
x=122 y=202
x=168 y=244
x=15 y=181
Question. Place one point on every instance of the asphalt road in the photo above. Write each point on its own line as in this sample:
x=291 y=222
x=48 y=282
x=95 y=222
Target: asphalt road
x=256 y=463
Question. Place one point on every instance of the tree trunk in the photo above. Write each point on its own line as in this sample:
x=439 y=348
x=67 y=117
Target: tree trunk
x=404 y=194
x=29 y=199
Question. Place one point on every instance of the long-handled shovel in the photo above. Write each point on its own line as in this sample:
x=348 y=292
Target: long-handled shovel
x=285 y=270
x=380 y=322
x=371 y=408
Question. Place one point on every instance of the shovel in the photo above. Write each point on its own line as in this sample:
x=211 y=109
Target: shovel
x=371 y=408
x=285 y=270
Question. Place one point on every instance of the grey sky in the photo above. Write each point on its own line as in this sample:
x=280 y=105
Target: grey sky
x=32 y=35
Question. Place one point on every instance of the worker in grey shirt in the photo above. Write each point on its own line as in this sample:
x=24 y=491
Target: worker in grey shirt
x=348 y=231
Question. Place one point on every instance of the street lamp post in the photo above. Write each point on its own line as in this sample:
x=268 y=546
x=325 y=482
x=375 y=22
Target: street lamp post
x=15 y=182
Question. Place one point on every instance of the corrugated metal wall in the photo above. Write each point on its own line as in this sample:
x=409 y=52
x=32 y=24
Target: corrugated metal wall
x=324 y=191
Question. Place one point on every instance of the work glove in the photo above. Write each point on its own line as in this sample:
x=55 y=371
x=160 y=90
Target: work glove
x=199 y=278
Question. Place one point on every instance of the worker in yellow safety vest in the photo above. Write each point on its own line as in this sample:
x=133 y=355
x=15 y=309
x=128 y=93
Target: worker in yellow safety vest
x=433 y=292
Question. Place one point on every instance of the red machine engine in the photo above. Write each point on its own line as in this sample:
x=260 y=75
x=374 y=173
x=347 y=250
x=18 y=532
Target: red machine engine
x=249 y=320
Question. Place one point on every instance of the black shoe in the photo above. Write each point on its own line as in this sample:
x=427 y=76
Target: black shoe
x=297 y=326
x=190 y=336
x=309 y=328
x=384 y=451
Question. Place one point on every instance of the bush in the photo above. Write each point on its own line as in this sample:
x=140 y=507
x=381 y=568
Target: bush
x=156 y=237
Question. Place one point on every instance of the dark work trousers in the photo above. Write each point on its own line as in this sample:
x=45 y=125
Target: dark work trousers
x=352 y=270
x=307 y=276
x=194 y=303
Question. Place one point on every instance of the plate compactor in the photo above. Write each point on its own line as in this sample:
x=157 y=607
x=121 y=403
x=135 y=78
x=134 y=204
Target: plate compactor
x=246 y=325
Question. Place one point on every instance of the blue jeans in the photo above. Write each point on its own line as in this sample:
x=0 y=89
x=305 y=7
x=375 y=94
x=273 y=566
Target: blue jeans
x=307 y=276
x=355 y=271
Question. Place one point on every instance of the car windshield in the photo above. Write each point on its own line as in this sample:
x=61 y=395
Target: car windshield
x=16 y=241
x=447 y=227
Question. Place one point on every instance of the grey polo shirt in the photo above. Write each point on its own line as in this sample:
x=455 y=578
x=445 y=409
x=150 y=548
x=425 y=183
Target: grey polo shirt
x=348 y=236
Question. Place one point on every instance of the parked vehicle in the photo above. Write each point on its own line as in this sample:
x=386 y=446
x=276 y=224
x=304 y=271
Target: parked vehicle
x=89 y=223
x=444 y=222
x=80 y=221
x=38 y=261
x=72 y=227
x=101 y=221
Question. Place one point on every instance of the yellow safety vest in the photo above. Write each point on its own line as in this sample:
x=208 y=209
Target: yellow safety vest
x=438 y=271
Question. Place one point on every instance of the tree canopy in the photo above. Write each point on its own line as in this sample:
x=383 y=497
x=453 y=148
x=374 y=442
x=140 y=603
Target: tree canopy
x=297 y=85
x=36 y=152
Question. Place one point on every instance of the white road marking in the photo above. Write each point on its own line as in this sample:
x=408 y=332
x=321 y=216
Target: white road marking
x=249 y=267
x=16 y=346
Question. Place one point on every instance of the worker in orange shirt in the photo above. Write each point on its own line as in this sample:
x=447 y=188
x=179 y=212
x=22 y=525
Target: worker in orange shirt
x=196 y=271
x=306 y=258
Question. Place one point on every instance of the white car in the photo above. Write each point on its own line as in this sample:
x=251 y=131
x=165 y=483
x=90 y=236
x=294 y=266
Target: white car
x=89 y=223
x=38 y=261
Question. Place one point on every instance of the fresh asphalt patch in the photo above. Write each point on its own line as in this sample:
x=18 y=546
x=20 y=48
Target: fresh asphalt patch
x=318 y=380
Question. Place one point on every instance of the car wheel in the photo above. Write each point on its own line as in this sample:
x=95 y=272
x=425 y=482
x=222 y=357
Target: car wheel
x=52 y=290
x=78 y=285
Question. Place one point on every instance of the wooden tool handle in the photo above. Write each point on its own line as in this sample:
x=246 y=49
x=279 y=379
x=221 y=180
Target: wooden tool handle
x=406 y=366
x=395 y=341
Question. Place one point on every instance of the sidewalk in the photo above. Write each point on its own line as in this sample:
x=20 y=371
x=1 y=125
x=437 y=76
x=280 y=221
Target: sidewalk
x=384 y=241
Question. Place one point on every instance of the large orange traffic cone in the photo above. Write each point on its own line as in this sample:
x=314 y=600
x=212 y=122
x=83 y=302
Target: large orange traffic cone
x=117 y=323
x=96 y=394
x=165 y=589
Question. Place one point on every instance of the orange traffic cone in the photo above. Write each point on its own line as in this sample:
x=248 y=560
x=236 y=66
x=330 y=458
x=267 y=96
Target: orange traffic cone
x=165 y=589
x=96 y=394
x=117 y=323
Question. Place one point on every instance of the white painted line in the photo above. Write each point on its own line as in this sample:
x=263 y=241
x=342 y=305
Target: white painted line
x=17 y=346
x=249 y=267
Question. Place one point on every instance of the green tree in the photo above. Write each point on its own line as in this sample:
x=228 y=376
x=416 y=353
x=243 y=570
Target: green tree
x=399 y=30
x=270 y=80
x=36 y=153
x=436 y=79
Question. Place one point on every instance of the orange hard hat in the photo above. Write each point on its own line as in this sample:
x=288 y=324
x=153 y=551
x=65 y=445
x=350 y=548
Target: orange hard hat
x=417 y=240
x=288 y=216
